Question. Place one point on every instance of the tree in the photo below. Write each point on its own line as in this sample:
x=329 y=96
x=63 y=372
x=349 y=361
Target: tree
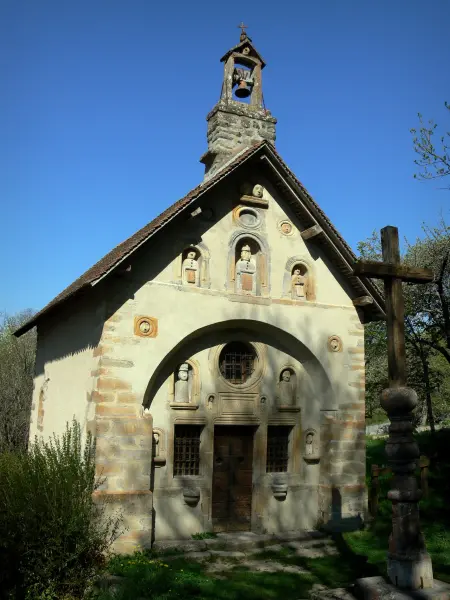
x=17 y=357
x=426 y=311
x=433 y=161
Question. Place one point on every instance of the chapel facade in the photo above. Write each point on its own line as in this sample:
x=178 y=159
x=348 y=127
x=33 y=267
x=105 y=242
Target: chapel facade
x=217 y=356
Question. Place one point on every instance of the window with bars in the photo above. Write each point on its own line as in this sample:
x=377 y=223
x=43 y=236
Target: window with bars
x=277 y=449
x=237 y=362
x=186 y=459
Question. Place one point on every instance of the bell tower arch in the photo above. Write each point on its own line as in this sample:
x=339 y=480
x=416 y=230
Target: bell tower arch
x=240 y=119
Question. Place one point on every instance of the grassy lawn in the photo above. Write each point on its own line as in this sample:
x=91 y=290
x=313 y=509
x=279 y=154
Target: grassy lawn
x=362 y=553
x=149 y=576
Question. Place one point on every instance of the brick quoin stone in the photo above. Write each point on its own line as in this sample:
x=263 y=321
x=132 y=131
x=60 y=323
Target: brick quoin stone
x=104 y=383
x=132 y=427
x=100 y=350
x=357 y=350
x=112 y=410
x=127 y=398
x=104 y=397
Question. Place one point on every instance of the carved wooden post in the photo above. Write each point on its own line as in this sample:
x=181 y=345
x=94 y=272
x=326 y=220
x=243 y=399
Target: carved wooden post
x=424 y=463
x=408 y=563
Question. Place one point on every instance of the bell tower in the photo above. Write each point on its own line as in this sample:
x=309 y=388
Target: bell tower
x=240 y=118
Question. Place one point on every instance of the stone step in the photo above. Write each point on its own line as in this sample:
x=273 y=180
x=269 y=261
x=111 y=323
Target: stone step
x=305 y=542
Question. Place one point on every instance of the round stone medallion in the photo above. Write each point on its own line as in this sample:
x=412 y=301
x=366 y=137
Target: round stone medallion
x=334 y=343
x=145 y=327
x=286 y=227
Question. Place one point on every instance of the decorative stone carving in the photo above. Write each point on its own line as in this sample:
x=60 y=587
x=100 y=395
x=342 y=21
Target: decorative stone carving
x=299 y=283
x=299 y=280
x=191 y=272
x=286 y=389
x=145 y=326
x=311 y=447
x=182 y=387
x=280 y=487
x=191 y=496
x=246 y=271
x=258 y=191
x=159 y=455
x=334 y=343
x=286 y=227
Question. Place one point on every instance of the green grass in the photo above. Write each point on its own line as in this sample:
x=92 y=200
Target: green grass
x=435 y=516
x=149 y=576
x=205 y=535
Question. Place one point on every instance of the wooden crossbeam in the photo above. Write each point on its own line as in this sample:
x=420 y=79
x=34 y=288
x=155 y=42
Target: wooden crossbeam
x=381 y=270
x=363 y=301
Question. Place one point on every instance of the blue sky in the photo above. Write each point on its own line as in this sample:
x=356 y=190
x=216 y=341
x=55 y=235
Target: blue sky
x=103 y=106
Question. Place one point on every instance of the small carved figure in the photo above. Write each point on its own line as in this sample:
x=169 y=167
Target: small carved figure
x=190 y=268
x=258 y=191
x=246 y=271
x=286 y=391
x=309 y=443
x=182 y=384
x=156 y=442
x=299 y=285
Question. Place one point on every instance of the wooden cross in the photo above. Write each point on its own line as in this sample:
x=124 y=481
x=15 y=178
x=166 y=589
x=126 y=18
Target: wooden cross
x=243 y=28
x=393 y=273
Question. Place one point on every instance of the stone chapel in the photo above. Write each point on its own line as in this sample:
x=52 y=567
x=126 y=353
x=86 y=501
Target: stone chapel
x=217 y=355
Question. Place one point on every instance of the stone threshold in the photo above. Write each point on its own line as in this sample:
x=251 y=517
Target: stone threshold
x=238 y=544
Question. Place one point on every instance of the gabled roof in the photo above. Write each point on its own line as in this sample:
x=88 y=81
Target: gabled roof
x=245 y=42
x=301 y=202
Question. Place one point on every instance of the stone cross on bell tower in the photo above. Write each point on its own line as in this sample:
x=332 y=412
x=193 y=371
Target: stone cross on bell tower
x=240 y=118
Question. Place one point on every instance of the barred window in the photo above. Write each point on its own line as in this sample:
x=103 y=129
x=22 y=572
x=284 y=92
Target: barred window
x=237 y=362
x=186 y=450
x=277 y=449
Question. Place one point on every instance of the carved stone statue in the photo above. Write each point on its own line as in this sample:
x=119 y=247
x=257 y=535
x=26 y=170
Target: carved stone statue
x=286 y=389
x=156 y=443
x=258 y=191
x=182 y=392
x=246 y=271
x=299 y=285
x=190 y=269
x=309 y=450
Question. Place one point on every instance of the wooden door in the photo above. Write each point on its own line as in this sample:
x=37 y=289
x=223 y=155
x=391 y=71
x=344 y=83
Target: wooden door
x=232 y=478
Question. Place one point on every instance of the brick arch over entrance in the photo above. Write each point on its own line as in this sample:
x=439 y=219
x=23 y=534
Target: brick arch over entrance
x=244 y=329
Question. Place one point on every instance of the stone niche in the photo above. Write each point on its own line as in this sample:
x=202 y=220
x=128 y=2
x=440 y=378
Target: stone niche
x=311 y=446
x=191 y=269
x=184 y=386
x=286 y=392
x=299 y=280
x=248 y=265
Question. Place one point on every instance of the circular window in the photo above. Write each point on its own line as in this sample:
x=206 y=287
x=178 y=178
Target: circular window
x=237 y=362
x=248 y=217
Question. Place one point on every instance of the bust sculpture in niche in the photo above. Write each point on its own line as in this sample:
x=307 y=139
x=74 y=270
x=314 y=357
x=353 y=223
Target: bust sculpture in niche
x=299 y=283
x=309 y=451
x=246 y=271
x=190 y=268
x=286 y=389
x=182 y=386
x=156 y=436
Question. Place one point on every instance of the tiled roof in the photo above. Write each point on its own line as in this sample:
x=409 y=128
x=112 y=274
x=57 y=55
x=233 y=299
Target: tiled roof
x=110 y=260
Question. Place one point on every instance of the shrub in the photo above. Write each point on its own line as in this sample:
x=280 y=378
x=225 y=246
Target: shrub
x=52 y=535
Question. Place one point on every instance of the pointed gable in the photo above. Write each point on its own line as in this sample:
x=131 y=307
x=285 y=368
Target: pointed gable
x=318 y=226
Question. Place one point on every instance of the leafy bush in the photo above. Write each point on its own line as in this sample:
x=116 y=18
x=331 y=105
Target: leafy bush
x=52 y=535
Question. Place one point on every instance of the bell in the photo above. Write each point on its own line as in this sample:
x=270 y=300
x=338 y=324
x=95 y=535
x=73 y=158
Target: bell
x=243 y=90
